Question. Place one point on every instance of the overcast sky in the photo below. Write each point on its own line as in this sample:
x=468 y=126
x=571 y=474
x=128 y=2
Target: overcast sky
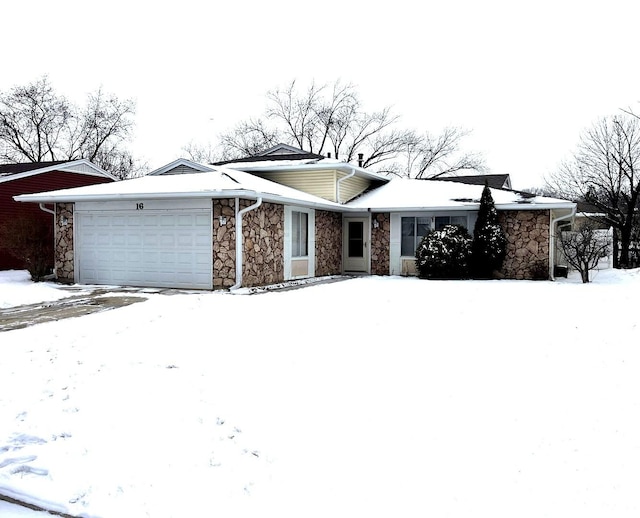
x=525 y=77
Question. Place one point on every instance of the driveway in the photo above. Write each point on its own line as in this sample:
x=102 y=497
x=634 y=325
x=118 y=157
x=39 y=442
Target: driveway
x=77 y=305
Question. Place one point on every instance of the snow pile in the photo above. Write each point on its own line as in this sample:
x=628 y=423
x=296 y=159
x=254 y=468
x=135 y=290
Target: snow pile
x=16 y=289
x=333 y=400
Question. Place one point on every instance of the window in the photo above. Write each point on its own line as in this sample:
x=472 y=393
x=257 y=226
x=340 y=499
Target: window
x=413 y=230
x=441 y=221
x=299 y=234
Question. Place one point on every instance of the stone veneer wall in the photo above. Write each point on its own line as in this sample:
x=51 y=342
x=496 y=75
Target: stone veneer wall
x=527 y=244
x=224 y=243
x=64 y=243
x=263 y=237
x=328 y=243
x=263 y=230
x=380 y=243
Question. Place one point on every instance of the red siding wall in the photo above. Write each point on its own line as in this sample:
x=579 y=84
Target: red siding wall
x=10 y=209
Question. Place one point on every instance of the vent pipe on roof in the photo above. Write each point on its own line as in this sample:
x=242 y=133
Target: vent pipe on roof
x=360 y=159
x=329 y=154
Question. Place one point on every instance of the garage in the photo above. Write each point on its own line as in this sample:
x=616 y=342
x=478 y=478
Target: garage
x=154 y=243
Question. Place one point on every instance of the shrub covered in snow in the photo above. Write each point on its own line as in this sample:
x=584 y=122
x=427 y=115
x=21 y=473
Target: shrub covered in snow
x=489 y=241
x=444 y=254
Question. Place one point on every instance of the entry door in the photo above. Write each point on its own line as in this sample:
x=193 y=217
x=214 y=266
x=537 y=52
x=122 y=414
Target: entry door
x=356 y=245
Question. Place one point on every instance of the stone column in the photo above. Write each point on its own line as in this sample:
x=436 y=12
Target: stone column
x=64 y=252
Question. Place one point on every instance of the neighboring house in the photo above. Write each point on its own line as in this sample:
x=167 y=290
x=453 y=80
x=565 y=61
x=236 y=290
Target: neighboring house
x=301 y=215
x=497 y=181
x=27 y=178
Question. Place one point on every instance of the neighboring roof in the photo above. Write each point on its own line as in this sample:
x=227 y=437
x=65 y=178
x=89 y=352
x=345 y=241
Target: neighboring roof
x=278 y=152
x=217 y=183
x=284 y=149
x=402 y=194
x=181 y=163
x=9 y=172
x=498 y=181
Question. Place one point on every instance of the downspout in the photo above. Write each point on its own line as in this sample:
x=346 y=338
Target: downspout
x=340 y=180
x=239 y=215
x=552 y=240
x=42 y=207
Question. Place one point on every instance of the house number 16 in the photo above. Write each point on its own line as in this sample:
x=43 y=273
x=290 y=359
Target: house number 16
x=139 y=206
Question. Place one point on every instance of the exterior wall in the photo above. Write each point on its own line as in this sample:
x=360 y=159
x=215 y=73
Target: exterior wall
x=10 y=210
x=224 y=243
x=527 y=244
x=351 y=187
x=64 y=256
x=328 y=243
x=318 y=183
x=263 y=231
x=380 y=244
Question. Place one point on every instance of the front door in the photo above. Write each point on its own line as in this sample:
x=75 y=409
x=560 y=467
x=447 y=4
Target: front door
x=356 y=245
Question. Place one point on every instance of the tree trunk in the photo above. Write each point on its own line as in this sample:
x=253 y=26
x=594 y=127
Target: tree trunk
x=625 y=240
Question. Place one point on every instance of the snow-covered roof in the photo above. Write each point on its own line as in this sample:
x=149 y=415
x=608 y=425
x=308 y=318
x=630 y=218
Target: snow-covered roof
x=218 y=183
x=306 y=164
x=402 y=194
x=9 y=172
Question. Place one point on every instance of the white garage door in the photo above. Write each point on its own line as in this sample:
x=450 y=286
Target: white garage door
x=157 y=244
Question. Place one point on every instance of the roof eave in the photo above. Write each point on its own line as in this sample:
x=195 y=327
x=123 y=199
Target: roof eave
x=239 y=193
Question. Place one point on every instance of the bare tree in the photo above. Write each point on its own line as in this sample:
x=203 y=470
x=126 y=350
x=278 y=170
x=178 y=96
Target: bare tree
x=330 y=119
x=248 y=138
x=605 y=171
x=203 y=154
x=433 y=156
x=321 y=119
x=37 y=124
x=584 y=247
x=33 y=119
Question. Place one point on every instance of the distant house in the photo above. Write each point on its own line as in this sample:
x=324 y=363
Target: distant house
x=27 y=178
x=497 y=181
x=282 y=215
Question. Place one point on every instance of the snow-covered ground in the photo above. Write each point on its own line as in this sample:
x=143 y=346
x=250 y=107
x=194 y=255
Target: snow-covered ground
x=368 y=397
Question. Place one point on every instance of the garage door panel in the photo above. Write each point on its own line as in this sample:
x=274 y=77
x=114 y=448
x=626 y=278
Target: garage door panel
x=160 y=248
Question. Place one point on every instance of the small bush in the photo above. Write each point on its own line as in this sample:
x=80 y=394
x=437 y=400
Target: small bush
x=30 y=240
x=444 y=254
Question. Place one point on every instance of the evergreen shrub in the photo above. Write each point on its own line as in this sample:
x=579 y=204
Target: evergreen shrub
x=489 y=241
x=444 y=254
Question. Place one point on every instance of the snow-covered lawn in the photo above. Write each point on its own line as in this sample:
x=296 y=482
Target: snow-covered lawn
x=368 y=397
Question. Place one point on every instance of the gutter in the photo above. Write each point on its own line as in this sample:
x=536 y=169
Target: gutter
x=552 y=239
x=340 y=180
x=239 y=250
x=239 y=193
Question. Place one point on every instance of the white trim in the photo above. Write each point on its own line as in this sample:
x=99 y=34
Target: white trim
x=311 y=237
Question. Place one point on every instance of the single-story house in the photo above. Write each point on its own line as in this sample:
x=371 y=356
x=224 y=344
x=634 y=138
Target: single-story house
x=301 y=215
x=27 y=178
